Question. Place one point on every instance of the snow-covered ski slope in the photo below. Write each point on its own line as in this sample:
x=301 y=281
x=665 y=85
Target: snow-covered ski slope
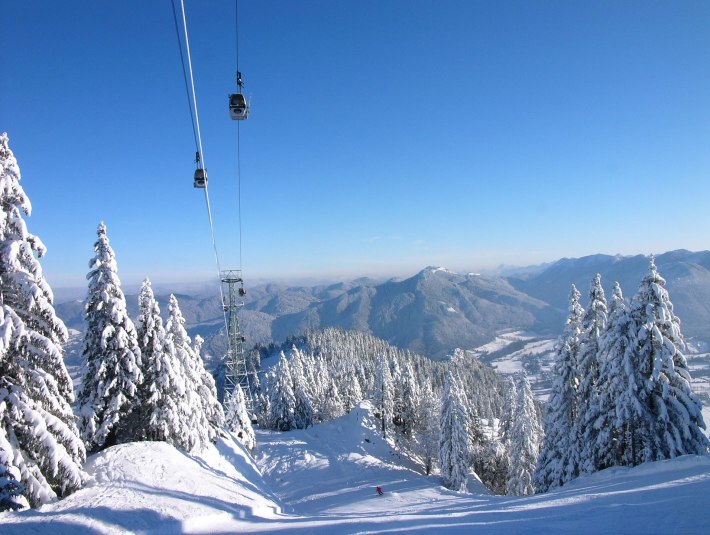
x=322 y=480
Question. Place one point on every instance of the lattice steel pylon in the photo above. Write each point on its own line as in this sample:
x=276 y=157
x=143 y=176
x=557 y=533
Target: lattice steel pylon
x=236 y=374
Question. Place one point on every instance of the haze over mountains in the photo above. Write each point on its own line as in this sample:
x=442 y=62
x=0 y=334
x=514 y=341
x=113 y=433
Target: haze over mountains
x=436 y=310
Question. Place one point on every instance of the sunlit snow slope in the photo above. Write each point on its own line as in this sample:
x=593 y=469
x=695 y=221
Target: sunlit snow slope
x=323 y=481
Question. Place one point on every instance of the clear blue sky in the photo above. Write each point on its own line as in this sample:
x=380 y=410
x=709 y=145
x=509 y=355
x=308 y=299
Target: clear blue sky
x=385 y=136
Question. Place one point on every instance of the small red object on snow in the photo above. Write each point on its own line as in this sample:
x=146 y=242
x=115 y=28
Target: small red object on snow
x=379 y=490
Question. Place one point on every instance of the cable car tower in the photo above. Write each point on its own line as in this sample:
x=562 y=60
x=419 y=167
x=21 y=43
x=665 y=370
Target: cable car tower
x=231 y=282
x=235 y=363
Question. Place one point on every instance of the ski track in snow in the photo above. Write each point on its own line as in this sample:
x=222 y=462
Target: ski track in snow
x=322 y=481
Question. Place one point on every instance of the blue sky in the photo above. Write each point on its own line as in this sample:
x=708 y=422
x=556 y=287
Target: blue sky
x=385 y=136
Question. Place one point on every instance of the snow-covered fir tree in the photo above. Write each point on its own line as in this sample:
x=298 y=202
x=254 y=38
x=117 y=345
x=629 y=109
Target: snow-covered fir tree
x=113 y=359
x=478 y=444
x=237 y=419
x=11 y=489
x=405 y=412
x=491 y=465
x=593 y=326
x=620 y=439
x=511 y=400
x=558 y=461
x=41 y=452
x=525 y=440
x=427 y=428
x=331 y=404
x=642 y=407
x=453 y=438
x=282 y=401
x=350 y=390
x=487 y=457
x=201 y=414
x=297 y=367
x=163 y=388
x=262 y=405
x=396 y=378
x=207 y=391
x=253 y=366
x=384 y=394
x=476 y=437
x=303 y=415
x=676 y=426
x=311 y=378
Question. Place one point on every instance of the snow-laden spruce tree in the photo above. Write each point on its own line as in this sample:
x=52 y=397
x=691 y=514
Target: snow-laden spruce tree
x=677 y=424
x=558 y=461
x=406 y=410
x=525 y=439
x=303 y=414
x=207 y=391
x=476 y=437
x=397 y=386
x=163 y=388
x=427 y=428
x=313 y=388
x=262 y=405
x=593 y=326
x=253 y=367
x=621 y=437
x=113 y=359
x=200 y=412
x=511 y=400
x=41 y=451
x=383 y=394
x=350 y=390
x=478 y=444
x=11 y=489
x=297 y=366
x=282 y=401
x=453 y=438
x=237 y=419
x=331 y=402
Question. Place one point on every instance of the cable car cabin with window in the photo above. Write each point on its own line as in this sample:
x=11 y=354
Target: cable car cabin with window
x=201 y=178
x=238 y=107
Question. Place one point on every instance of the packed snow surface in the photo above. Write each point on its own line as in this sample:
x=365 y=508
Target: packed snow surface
x=322 y=480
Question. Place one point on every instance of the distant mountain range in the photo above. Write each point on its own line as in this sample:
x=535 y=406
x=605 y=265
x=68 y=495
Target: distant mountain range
x=687 y=277
x=437 y=310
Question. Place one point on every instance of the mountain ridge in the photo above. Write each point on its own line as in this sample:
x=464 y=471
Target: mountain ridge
x=436 y=310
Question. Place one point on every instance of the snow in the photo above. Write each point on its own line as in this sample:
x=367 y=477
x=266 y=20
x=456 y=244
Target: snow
x=322 y=480
x=151 y=486
x=513 y=360
x=502 y=340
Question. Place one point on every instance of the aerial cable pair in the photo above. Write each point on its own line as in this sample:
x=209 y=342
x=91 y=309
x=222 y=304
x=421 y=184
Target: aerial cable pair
x=238 y=110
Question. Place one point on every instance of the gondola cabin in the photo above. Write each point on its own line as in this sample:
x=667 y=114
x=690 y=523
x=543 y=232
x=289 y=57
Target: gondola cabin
x=238 y=107
x=200 y=178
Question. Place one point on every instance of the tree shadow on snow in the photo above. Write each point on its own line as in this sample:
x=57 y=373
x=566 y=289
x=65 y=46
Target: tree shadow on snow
x=237 y=511
x=249 y=473
x=92 y=521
